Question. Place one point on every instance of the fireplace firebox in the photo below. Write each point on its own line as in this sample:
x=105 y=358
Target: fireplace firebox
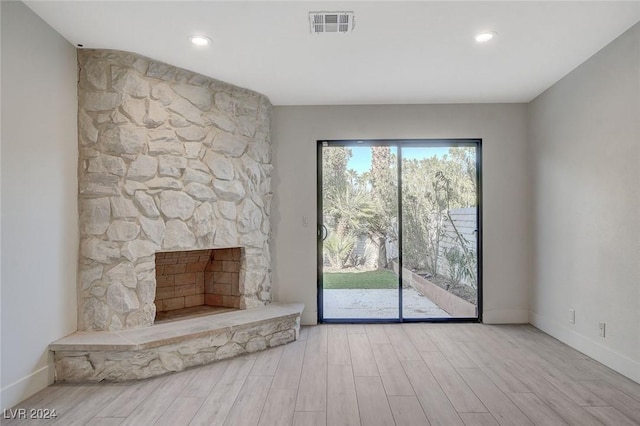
x=189 y=279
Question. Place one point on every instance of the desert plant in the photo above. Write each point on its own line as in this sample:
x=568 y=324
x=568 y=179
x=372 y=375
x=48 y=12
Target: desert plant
x=457 y=266
x=349 y=209
x=469 y=255
x=338 y=248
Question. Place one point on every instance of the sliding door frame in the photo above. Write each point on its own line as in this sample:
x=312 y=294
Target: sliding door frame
x=399 y=143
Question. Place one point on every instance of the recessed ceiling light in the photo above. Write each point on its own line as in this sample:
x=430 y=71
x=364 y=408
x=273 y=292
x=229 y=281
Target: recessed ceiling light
x=485 y=36
x=199 y=40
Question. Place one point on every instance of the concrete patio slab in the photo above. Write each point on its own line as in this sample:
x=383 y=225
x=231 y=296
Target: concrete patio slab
x=378 y=304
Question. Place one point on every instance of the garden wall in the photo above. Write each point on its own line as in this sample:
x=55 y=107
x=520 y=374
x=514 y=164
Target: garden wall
x=452 y=304
x=465 y=221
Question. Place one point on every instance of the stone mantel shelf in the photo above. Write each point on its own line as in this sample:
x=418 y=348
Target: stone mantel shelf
x=173 y=332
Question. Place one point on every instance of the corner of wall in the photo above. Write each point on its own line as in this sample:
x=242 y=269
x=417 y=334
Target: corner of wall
x=25 y=387
x=601 y=353
x=582 y=137
x=39 y=136
x=505 y=316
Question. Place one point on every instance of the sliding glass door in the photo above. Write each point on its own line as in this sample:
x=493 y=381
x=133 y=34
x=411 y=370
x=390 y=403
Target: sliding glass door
x=399 y=230
x=359 y=221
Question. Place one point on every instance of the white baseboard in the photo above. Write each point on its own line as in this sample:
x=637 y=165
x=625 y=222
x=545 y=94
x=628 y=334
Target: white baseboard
x=603 y=354
x=505 y=316
x=22 y=389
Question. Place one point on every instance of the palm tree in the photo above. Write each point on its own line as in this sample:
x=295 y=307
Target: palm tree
x=348 y=212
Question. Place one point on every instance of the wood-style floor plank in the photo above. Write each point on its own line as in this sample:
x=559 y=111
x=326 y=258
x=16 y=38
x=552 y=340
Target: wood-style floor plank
x=106 y=421
x=180 y=412
x=250 y=401
x=585 y=369
x=609 y=416
x=355 y=328
x=154 y=406
x=458 y=332
x=610 y=376
x=338 y=346
x=130 y=397
x=312 y=389
x=460 y=395
x=478 y=419
x=494 y=341
x=45 y=398
x=377 y=334
x=566 y=408
x=342 y=402
x=407 y=411
x=372 y=402
x=278 y=408
x=535 y=409
x=219 y=402
x=503 y=379
x=362 y=359
x=401 y=343
x=480 y=353
x=287 y=375
x=310 y=418
x=92 y=402
x=204 y=380
x=450 y=349
x=304 y=332
x=394 y=378
x=216 y=407
x=571 y=388
x=434 y=402
x=267 y=362
x=501 y=407
x=61 y=399
x=622 y=402
x=419 y=339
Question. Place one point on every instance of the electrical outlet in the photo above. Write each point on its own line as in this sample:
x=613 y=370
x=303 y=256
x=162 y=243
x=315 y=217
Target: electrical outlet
x=572 y=316
x=602 y=329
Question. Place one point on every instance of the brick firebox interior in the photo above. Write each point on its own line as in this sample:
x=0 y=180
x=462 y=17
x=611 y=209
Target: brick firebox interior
x=201 y=277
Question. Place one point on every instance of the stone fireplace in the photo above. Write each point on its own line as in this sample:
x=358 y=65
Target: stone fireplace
x=172 y=166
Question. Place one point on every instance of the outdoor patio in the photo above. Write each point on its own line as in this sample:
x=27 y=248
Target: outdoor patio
x=378 y=303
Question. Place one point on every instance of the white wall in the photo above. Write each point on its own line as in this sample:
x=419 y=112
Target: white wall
x=584 y=134
x=295 y=131
x=39 y=198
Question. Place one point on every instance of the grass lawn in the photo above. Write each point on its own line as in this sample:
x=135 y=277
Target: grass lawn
x=360 y=280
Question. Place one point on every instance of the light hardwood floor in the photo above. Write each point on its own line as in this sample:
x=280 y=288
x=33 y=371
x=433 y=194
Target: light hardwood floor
x=403 y=374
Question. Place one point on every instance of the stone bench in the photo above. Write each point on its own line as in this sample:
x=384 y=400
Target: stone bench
x=173 y=346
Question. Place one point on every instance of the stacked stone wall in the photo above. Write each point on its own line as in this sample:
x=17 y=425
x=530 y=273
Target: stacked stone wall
x=168 y=160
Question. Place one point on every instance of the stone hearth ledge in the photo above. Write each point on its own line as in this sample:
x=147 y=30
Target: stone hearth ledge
x=173 y=346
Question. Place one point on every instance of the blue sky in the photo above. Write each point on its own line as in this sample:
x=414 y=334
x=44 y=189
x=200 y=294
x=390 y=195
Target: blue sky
x=361 y=159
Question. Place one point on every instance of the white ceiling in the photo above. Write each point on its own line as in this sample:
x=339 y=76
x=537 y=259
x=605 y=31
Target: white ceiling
x=399 y=52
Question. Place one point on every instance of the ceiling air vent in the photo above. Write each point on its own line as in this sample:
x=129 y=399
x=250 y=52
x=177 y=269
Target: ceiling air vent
x=331 y=22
